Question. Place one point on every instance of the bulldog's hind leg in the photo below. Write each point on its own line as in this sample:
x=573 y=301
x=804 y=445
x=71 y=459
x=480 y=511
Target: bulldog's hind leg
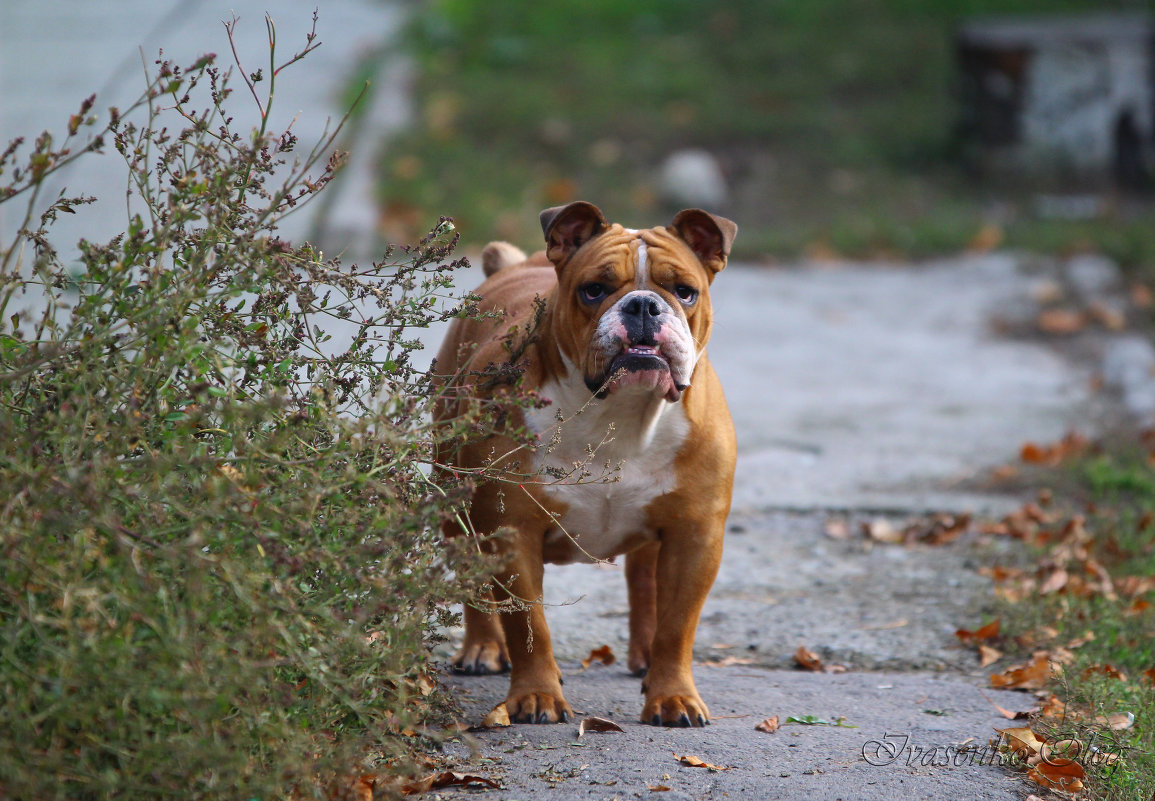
x=483 y=650
x=641 y=584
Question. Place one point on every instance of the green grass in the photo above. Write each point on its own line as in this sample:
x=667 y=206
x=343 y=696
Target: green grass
x=834 y=119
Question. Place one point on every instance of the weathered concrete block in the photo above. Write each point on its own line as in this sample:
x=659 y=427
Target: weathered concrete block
x=1069 y=94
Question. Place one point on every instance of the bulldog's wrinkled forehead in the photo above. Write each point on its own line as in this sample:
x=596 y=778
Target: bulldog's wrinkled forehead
x=621 y=255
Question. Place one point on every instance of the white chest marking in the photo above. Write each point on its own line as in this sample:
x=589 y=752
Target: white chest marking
x=634 y=439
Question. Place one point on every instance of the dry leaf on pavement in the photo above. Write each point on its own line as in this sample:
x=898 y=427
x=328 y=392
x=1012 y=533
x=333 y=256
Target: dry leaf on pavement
x=1061 y=321
x=448 y=778
x=769 y=725
x=596 y=724
x=837 y=529
x=1072 y=444
x=694 y=762
x=498 y=716
x=987 y=632
x=807 y=659
x=604 y=655
x=882 y=530
x=988 y=656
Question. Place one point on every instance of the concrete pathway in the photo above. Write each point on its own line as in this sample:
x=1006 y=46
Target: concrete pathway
x=859 y=391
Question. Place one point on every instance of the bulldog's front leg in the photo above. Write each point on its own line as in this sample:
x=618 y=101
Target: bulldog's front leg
x=687 y=564
x=535 y=682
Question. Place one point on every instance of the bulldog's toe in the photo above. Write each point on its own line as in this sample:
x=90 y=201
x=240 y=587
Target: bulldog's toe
x=480 y=659
x=538 y=707
x=675 y=710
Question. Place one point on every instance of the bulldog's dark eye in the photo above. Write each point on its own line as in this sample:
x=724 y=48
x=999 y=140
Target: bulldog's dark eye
x=592 y=293
x=686 y=294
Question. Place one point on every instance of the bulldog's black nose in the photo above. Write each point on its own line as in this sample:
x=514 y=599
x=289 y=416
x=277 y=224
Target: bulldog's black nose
x=640 y=315
x=642 y=306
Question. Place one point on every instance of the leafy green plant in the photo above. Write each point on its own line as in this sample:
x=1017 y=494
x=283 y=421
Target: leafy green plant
x=220 y=563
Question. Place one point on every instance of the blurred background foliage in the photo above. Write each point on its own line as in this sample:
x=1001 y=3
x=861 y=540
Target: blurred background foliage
x=834 y=121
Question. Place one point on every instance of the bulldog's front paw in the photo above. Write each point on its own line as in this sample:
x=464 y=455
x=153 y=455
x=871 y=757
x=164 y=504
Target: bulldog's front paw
x=538 y=707
x=675 y=709
x=481 y=658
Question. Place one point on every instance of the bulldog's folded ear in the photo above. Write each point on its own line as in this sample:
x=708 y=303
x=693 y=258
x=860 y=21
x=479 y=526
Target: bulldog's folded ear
x=708 y=235
x=569 y=227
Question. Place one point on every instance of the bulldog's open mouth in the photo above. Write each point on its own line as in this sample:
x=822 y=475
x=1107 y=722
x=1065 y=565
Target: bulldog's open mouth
x=640 y=366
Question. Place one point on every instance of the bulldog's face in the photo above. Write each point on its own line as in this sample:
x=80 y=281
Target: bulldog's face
x=633 y=310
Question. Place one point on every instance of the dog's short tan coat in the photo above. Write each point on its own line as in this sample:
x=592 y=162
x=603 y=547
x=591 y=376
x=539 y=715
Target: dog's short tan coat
x=620 y=354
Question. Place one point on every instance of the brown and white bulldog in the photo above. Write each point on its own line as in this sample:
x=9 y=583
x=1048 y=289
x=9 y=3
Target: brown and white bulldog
x=635 y=451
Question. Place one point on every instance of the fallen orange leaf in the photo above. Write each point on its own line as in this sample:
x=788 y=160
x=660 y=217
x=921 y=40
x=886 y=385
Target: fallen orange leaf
x=1071 y=444
x=361 y=788
x=604 y=655
x=1032 y=453
x=694 y=762
x=807 y=659
x=1030 y=676
x=1061 y=321
x=987 y=632
x=1137 y=607
x=1134 y=586
x=1110 y=671
x=1064 y=775
x=769 y=725
x=1086 y=637
x=659 y=788
x=1053 y=707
